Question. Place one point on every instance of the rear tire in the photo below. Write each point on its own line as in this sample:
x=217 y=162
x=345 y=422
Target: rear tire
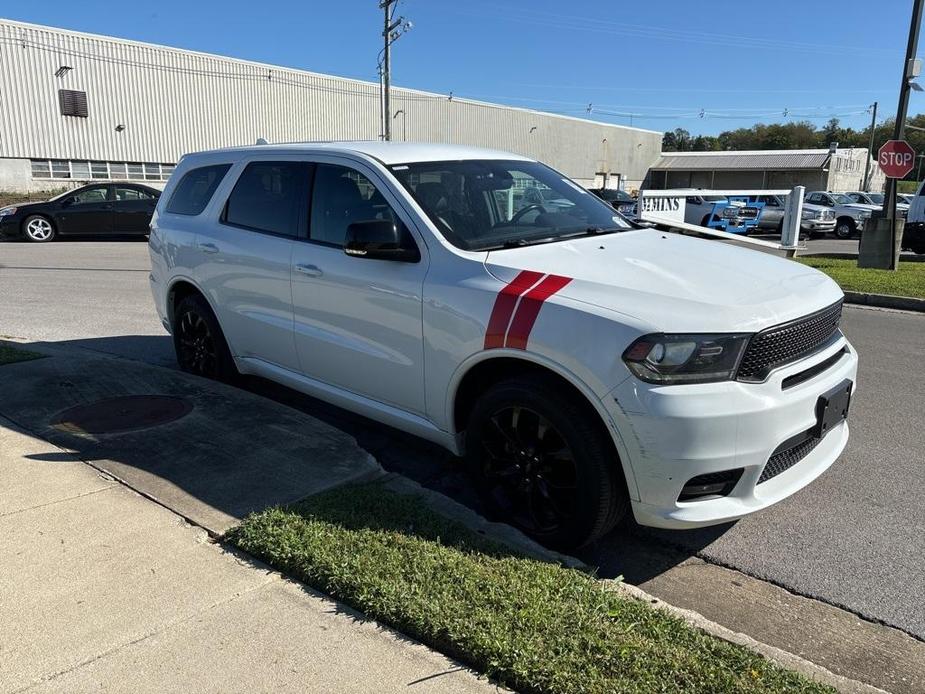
x=38 y=229
x=541 y=464
x=199 y=342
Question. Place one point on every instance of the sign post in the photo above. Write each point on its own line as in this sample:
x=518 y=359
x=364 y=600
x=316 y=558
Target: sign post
x=880 y=244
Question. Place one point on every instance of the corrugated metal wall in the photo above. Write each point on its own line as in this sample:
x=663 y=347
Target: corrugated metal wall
x=173 y=101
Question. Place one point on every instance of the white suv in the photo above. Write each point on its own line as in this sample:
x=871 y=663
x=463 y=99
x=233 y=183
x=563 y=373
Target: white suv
x=582 y=365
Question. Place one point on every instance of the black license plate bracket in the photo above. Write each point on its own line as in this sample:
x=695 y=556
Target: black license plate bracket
x=832 y=408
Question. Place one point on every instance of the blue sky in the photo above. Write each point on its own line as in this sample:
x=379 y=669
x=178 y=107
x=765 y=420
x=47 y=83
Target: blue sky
x=662 y=61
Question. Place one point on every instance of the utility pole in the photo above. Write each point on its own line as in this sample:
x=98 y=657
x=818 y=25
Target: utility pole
x=870 y=147
x=889 y=203
x=391 y=31
x=386 y=6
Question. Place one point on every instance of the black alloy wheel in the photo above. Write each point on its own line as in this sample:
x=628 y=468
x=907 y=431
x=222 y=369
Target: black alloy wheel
x=543 y=462
x=199 y=343
x=530 y=470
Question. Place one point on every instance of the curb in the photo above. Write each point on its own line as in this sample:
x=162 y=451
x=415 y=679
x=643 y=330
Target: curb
x=839 y=255
x=903 y=303
x=777 y=655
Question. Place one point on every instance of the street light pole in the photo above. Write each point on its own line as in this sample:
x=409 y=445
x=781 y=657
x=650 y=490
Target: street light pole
x=889 y=202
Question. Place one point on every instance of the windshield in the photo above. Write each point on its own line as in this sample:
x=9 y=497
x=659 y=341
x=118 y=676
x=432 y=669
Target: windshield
x=483 y=204
x=841 y=199
x=616 y=195
x=876 y=198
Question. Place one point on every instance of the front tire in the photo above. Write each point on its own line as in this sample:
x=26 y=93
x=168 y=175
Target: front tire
x=845 y=228
x=199 y=342
x=38 y=229
x=541 y=464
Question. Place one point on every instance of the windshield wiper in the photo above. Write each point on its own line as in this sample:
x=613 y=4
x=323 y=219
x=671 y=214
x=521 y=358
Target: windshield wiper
x=594 y=231
x=520 y=243
x=517 y=243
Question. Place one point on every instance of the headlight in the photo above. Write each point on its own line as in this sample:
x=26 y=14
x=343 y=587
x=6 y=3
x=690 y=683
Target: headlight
x=730 y=212
x=808 y=214
x=672 y=359
x=7 y=211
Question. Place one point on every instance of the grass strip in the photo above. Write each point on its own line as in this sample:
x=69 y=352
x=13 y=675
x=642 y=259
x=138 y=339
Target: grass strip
x=530 y=625
x=908 y=280
x=11 y=355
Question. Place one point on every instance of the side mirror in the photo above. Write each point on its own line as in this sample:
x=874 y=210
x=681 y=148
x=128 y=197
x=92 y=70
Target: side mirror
x=378 y=239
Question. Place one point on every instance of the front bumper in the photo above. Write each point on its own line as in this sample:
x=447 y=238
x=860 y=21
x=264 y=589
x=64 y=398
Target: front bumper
x=818 y=225
x=675 y=433
x=10 y=225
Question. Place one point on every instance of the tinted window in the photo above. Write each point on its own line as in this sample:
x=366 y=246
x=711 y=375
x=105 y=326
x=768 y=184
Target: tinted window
x=97 y=194
x=132 y=194
x=195 y=189
x=269 y=196
x=341 y=197
x=482 y=204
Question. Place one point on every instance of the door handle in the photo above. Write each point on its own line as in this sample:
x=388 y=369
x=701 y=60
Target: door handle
x=208 y=248
x=310 y=270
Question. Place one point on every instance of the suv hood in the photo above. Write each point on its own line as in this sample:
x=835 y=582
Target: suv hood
x=673 y=283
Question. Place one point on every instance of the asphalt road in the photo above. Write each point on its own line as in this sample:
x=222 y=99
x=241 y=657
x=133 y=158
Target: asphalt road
x=855 y=538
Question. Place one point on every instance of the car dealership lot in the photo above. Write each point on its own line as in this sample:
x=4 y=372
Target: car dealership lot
x=853 y=538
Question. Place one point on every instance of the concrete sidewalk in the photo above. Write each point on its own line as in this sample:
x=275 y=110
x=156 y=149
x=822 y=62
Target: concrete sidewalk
x=105 y=590
x=232 y=453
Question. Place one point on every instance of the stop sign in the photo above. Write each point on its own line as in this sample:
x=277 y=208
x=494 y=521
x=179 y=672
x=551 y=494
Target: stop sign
x=896 y=158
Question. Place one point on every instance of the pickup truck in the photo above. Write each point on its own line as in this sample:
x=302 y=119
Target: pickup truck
x=719 y=212
x=816 y=219
x=850 y=216
x=865 y=198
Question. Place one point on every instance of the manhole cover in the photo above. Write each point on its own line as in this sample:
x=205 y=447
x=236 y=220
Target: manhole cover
x=128 y=413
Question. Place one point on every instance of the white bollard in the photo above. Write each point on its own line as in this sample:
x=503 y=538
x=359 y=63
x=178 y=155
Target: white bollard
x=793 y=215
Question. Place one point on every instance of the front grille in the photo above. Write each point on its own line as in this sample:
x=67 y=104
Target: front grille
x=788 y=342
x=783 y=460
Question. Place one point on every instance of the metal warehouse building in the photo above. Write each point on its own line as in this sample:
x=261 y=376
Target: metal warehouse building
x=817 y=169
x=78 y=107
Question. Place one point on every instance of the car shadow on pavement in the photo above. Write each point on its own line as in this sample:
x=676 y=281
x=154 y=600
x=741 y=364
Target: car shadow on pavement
x=631 y=551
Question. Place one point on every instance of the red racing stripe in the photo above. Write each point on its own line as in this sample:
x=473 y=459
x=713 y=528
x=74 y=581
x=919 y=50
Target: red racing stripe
x=504 y=307
x=529 y=309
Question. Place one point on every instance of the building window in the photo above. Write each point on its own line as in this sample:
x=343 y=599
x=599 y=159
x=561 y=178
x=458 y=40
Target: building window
x=73 y=103
x=100 y=170
x=60 y=169
x=80 y=169
x=41 y=168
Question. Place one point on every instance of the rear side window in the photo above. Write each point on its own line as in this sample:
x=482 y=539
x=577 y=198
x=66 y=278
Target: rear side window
x=270 y=196
x=195 y=189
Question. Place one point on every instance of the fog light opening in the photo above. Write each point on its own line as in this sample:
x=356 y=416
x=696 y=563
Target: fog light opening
x=710 y=485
